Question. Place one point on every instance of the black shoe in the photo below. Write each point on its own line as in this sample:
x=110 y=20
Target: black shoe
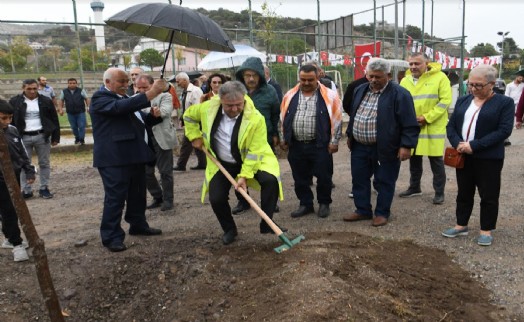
x=177 y=168
x=302 y=211
x=198 y=167
x=265 y=229
x=145 y=232
x=229 y=236
x=167 y=206
x=240 y=208
x=155 y=204
x=323 y=210
x=44 y=193
x=438 y=199
x=82 y=142
x=27 y=195
x=507 y=143
x=116 y=247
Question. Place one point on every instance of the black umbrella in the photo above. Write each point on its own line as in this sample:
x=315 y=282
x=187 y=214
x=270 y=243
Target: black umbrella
x=173 y=24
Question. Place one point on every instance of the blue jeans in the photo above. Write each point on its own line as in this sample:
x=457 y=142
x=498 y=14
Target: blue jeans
x=78 y=125
x=364 y=165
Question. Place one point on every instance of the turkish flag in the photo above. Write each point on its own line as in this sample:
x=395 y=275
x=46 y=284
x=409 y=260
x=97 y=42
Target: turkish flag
x=280 y=58
x=362 y=54
x=323 y=55
x=347 y=60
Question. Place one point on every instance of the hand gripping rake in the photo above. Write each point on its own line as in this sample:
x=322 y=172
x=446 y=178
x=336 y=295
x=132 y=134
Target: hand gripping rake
x=287 y=242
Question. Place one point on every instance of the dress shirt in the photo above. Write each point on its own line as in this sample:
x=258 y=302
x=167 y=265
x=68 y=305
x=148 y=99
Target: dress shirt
x=223 y=138
x=305 y=121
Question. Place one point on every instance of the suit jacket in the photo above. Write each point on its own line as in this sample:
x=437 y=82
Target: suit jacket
x=277 y=88
x=164 y=132
x=118 y=134
x=494 y=125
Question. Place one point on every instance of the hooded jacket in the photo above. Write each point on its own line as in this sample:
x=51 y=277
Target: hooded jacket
x=255 y=152
x=264 y=97
x=18 y=154
x=432 y=96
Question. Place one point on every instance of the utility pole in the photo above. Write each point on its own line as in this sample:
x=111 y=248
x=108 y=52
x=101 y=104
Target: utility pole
x=78 y=47
x=250 y=25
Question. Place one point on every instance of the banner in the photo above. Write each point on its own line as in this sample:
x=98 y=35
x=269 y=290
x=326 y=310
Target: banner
x=362 y=54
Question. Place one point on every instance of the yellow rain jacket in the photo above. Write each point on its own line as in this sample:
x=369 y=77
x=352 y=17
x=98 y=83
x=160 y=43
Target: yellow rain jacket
x=255 y=152
x=432 y=96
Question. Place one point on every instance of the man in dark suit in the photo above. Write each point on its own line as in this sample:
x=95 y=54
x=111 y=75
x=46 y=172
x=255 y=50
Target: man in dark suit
x=273 y=83
x=120 y=153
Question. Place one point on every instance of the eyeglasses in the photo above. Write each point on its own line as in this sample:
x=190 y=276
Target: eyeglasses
x=249 y=75
x=477 y=86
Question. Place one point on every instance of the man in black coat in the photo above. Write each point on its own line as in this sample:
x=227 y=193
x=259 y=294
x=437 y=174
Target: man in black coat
x=120 y=153
x=36 y=120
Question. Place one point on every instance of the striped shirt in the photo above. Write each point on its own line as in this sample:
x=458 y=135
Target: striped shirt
x=305 y=121
x=365 y=124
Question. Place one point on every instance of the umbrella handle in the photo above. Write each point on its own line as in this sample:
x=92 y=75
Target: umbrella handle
x=167 y=55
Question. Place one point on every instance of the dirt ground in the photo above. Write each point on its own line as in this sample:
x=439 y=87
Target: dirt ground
x=404 y=271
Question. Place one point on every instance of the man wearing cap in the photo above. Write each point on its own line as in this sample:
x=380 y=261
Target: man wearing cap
x=190 y=96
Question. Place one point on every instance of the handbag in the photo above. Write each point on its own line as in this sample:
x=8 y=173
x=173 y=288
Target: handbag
x=454 y=158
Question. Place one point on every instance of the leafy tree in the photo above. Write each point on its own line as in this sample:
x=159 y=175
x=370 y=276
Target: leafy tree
x=267 y=23
x=151 y=57
x=483 y=49
x=510 y=47
x=127 y=61
x=293 y=45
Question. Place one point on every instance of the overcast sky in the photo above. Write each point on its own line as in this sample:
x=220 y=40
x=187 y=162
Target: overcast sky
x=484 y=18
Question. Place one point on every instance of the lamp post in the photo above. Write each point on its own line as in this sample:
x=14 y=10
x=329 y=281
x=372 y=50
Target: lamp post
x=503 y=34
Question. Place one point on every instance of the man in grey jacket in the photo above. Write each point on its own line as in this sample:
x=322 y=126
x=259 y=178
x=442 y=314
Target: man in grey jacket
x=164 y=139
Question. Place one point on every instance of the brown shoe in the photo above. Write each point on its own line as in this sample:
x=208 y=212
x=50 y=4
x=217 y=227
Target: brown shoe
x=355 y=217
x=379 y=221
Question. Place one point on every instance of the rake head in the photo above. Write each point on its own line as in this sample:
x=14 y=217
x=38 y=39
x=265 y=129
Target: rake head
x=288 y=243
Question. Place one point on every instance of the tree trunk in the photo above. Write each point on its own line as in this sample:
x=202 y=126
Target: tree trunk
x=42 y=267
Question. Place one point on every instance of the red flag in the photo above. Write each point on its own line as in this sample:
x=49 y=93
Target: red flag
x=280 y=58
x=362 y=54
x=347 y=60
x=324 y=56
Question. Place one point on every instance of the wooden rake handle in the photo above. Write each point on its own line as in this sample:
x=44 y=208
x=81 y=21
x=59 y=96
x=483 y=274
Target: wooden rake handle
x=253 y=204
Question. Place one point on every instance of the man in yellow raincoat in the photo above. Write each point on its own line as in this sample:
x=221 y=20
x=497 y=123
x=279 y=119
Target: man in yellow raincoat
x=234 y=131
x=431 y=93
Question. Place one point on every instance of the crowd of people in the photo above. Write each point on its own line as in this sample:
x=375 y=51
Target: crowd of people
x=242 y=122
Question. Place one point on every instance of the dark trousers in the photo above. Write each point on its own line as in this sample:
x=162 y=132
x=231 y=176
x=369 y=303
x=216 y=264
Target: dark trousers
x=10 y=227
x=484 y=175
x=308 y=160
x=437 y=167
x=123 y=186
x=219 y=187
x=164 y=163
x=185 y=152
x=364 y=165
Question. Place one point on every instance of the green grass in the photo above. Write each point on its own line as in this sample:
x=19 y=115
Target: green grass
x=64 y=122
